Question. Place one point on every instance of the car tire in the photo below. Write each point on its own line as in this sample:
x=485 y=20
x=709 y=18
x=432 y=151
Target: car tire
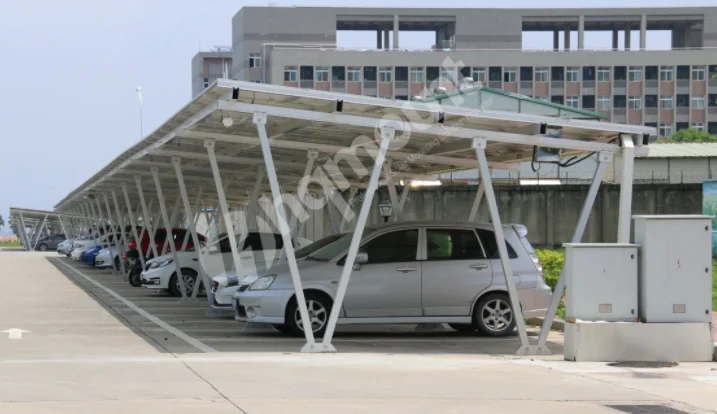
x=117 y=264
x=319 y=308
x=281 y=327
x=494 y=315
x=134 y=279
x=190 y=278
x=463 y=327
x=42 y=247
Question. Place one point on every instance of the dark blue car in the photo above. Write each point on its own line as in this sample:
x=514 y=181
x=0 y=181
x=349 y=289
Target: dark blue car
x=88 y=257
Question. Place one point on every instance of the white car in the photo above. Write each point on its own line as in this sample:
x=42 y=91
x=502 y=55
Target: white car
x=107 y=258
x=226 y=284
x=80 y=246
x=257 y=249
x=65 y=247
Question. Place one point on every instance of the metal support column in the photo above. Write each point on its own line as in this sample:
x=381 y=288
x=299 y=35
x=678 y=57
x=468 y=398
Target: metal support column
x=114 y=235
x=259 y=120
x=404 y=195
x=231 y=234
x=625 y=209
x=643 y=32
x=253 y=209
x=480 y=144
x=581 y=32
x=391 y=188
x=168 y=229
x=177 y=161
x=23 y=232
x=387 y=134
x=603 y=161
x=121 y=247
x=476 y=201
x=133 y=223
x=105 y=225
x=172 y=222
x=348 y=214
x=39 y=232
x=145 y=219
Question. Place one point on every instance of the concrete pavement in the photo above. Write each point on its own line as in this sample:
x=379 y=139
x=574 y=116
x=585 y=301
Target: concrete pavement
x=87 y=351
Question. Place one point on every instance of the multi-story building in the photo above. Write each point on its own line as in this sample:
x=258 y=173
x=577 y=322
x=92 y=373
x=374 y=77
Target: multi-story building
x=209 y=66
x=669 y=89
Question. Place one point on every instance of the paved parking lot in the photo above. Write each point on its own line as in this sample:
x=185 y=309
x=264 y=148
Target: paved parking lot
x=94 y=344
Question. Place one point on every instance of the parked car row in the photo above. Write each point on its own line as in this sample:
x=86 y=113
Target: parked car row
x=411 y=273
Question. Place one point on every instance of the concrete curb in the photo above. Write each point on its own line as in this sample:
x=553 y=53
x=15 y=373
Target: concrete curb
x=558 y=324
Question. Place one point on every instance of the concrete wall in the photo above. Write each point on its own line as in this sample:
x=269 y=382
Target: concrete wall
x=550 y=213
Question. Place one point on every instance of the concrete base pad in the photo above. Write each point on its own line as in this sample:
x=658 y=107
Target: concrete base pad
x=633 y=341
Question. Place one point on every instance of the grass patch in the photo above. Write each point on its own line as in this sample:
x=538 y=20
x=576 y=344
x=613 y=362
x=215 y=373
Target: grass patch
x=10 y=244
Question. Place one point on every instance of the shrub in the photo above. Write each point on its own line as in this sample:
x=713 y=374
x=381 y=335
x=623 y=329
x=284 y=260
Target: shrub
x=552 y=262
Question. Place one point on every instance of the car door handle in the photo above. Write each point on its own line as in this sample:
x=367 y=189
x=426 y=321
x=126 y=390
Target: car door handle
x=406 y=269
x=478 y=266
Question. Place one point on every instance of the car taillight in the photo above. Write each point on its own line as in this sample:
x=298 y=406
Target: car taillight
x=132 y=244
x=538 y=265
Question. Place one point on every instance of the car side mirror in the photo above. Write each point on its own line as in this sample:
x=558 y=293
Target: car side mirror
x=361 y=258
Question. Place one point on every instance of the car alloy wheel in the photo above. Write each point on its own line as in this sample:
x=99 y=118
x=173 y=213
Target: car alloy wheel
x=189 y=281
x=496 y=314
x=318 y=315
x=43 y=247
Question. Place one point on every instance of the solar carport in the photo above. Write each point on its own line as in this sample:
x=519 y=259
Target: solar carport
x=33 y=224
x=297 y=145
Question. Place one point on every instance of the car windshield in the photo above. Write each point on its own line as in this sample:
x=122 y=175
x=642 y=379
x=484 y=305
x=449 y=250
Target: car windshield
x=331 y=250
x=305 y=251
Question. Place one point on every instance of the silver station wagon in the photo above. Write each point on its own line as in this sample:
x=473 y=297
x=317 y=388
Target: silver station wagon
x=410 y=272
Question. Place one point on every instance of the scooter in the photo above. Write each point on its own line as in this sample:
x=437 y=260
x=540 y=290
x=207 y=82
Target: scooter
x=135 y=268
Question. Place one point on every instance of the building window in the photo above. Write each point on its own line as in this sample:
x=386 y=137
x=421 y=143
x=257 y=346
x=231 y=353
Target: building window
x=526 y=73
x=683 y=72
x=400 y=73
x=666 y=102
x=619 y=102
x=620 y=73
x=589 y=101
x=635 y=74
x=679 y=126
x=338 y=73
x=448 y=75
x=384 y=74
x=206 y=82
x=557 y=99
x=698 y=101
x=698 y=73
x=667 y=73
x=634 y=102
x=479 y=75
x=417 y=75
x=369 y=73
x=650 y=101
x=699 y=126
x=541 y=74
x=603 y=74
x=290 y=73
x=573 y=101
x=557 y=73
x=573 y=74
x=254 y=60
x=588 y=73
x=603 y=102
x=322 y=74
x=683 y=101
x=510 y=74
x=495 y=73
x=665 y=129
x=353 y=74
x=306 y=73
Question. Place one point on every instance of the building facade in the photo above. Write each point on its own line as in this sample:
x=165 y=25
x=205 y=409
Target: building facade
x=667 y=89
x=208 y=67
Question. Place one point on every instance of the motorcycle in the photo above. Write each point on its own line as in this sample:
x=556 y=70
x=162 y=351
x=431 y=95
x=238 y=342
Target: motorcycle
x=135 y=268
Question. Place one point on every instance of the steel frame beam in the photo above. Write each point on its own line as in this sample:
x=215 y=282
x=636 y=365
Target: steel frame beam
x=387 y=134
x=121 y=247
x=114 y=235
x=603 y=161
x=145 y=219
x=168 y=229
x=39 y=232
x=391 y=189
x=177 y=162
x=133 y=223
x=480 y=145
x=625 y=210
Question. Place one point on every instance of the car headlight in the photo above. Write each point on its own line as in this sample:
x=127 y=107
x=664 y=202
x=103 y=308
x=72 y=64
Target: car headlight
x=160 y=263
x=263 y=283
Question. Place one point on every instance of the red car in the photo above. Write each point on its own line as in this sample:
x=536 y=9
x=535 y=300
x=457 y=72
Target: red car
x=160 y=236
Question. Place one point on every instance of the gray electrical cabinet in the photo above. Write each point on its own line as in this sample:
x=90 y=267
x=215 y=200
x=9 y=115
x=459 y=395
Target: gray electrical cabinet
x=675 y=272
x=601 y=282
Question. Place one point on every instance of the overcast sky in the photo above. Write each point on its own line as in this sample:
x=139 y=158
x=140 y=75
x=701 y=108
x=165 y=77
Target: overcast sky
x=69 y=70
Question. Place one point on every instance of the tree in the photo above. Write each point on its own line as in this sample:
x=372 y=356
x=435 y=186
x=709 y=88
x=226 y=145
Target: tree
x=2 y=222
x=691 y=135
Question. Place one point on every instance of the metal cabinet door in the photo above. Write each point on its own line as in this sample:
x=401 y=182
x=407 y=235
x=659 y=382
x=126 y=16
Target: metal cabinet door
x=389 y=285
x=454 y=273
